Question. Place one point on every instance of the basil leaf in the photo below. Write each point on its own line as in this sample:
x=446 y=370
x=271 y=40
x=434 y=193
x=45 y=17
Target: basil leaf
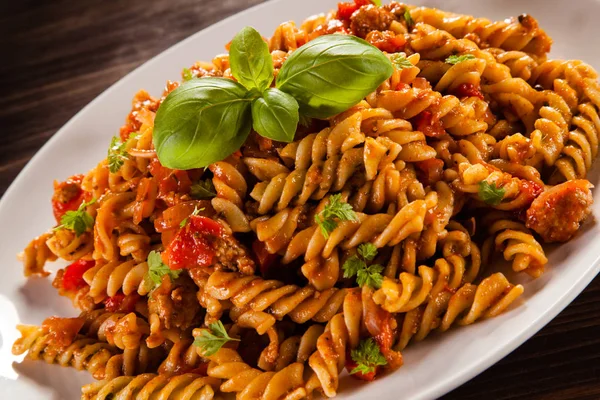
x=332 y=73
x=201 y=122
x=250 y=61
x=275 y=115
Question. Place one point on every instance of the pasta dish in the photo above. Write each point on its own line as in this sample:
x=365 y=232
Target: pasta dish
x=311 y=204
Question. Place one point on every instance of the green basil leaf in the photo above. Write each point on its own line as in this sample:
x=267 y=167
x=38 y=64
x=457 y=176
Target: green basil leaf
x=332 y=73
x=201 y=122
x=275 y=115
x=250 y=60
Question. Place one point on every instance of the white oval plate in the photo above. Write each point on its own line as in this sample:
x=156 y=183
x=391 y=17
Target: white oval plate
x=433 y=367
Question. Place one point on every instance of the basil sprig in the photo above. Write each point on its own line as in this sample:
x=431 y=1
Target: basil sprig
x=205 y=120
x=332 y=73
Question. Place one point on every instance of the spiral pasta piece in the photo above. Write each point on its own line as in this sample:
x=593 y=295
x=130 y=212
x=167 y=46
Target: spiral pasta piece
x=107 y=279
x=83 y=353
x=35 y=256
x=463 y=306
x=301 y=304
x=251 y=383
x=152 y=386
x=522 y=33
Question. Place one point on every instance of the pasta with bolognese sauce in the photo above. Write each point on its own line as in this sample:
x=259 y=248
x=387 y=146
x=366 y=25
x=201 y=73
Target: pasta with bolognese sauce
x=269 y=270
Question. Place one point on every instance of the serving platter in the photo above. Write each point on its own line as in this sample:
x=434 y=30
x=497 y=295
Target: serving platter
x=432 y=367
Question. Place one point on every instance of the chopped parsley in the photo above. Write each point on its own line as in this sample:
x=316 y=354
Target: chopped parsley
x=117 y=154
x=455 y=59
x=400 y=61
x=409 y=21
x=356 y=265
x=367 y=356
x=187 y=74
x=157 y=269
x=490 y=193
x=212 y=339
x=77 y=221
x=335 y=209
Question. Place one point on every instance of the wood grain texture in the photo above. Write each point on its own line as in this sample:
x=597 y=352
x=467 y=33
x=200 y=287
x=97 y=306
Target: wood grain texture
x=58 y=55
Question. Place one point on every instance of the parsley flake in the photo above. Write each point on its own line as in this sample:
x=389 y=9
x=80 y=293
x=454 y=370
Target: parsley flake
x=357 y=266
x=157 y=269
x=117 y=154
x=409 y=21
x=212 y=339
x=490 y=193
x=195 y=212
x=77 y=221
x=400 y=61
x=368 y=251
x=336 y=208
x=367 y=356
x=455 y=59
x=187 y=74
x=203 y=190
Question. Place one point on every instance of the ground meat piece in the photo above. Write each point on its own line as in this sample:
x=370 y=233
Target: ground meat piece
x=370 y=18
x=175 y=304
x=557 y=213
x=231 y=255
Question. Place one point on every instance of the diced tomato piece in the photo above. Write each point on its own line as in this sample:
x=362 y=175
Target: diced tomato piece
x=467 y=90
x=170 y=180
x=121 y=303
x=264 y=259
x=73 y=277
x=125 y=131
x=193 y=245
x=345 y=10
x=67 y=196
x=429 y=124
x=430 y=171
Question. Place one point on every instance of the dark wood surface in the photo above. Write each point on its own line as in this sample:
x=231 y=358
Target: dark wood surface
x=58 y=55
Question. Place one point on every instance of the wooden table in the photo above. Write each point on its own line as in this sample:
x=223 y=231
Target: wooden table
x=58 y=55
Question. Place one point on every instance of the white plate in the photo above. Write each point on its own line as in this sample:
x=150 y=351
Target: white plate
x=433 y=367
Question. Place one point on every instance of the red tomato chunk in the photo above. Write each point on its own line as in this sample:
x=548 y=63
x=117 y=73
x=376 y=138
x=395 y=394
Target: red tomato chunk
x=73 y=277
x=68 y=196
x=193 y=246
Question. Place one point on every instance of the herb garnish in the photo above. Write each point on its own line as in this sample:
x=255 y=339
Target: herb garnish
x=157 y=269
x=357 y=266
x=490 y=193
x=205 y=120
x=212 y=339
x=410 y=22
x=333 y=211
x=367 y=356
x=455 y=59
x=77 y=221
x=400 y=61
x=117 y=154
